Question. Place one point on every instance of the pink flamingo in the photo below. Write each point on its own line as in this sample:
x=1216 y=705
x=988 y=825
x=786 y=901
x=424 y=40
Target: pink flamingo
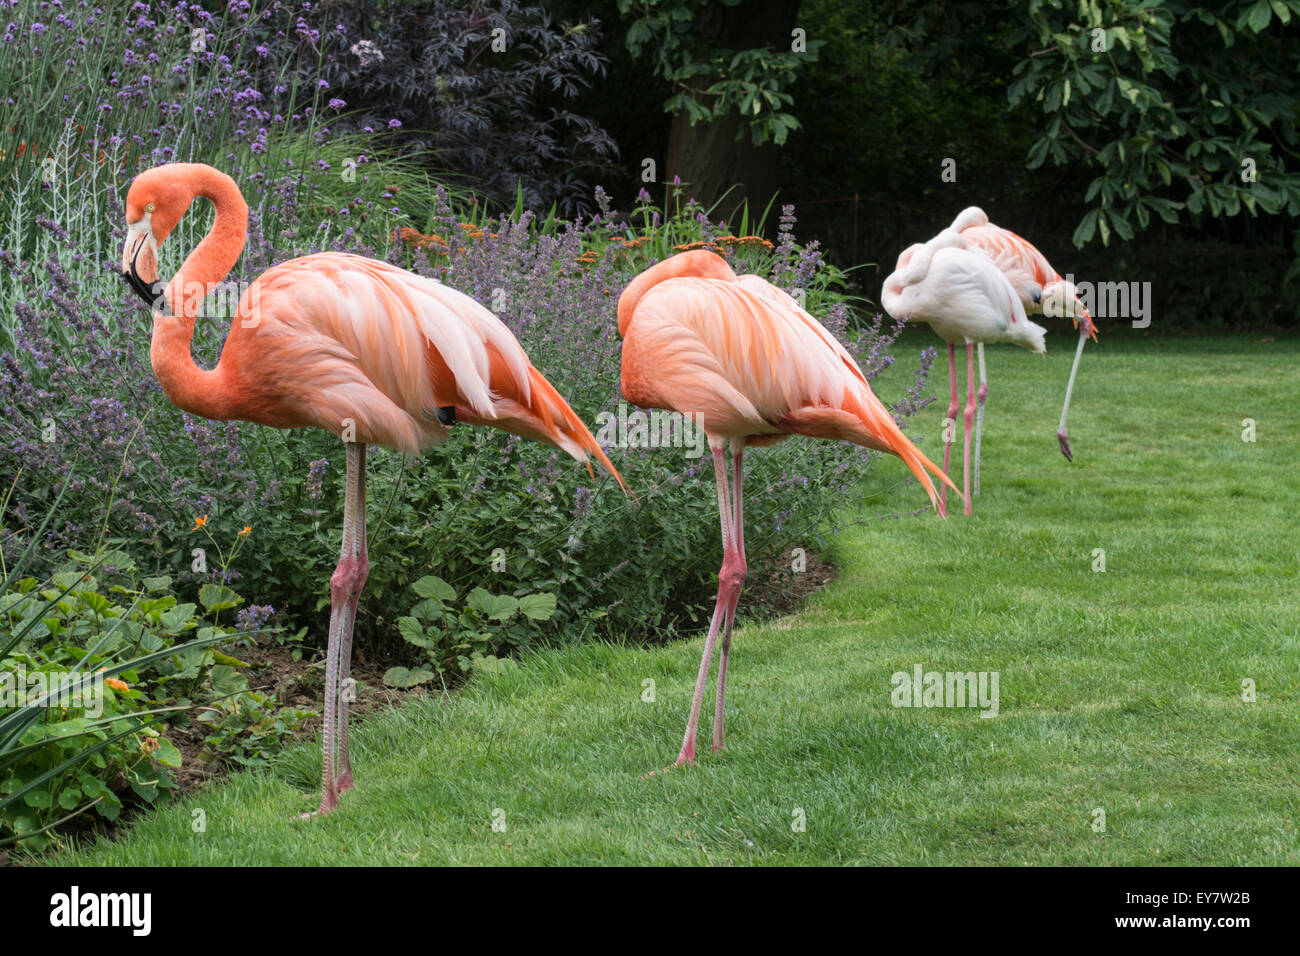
x=1042 y=290
x=965 y=298
x=755 y=368
x=360 y=348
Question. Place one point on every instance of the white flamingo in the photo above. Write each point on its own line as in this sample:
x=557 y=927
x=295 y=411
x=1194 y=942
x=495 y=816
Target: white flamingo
x=966 y=298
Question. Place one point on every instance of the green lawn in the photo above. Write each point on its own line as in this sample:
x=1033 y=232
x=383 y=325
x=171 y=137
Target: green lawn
x=1119 y=690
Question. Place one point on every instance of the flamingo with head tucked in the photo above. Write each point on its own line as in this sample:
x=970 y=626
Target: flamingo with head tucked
x=746 y=361
x=966 y=299
x=360 y=348
x=1041 y=289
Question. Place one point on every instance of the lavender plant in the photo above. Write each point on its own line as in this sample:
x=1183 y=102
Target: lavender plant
x=83 y=415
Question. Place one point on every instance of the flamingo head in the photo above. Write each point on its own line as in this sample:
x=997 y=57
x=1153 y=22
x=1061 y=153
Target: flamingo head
x=154 y=204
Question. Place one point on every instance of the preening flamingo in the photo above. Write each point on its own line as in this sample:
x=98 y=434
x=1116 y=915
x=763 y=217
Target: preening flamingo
x=1029 y=272
x=360 y=348
x=756 y=368
x=965 y=298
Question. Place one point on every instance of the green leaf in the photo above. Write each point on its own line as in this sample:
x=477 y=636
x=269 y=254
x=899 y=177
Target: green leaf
x=404 y=677
x=96 y=602
x=1087 y=228
x=161 y=583
x=226 y=680
x=177 y=617
x=167 y=754
x=1257 y=17
x=414 y=633
x=218 y=597
x=538 y=607
x=430 y=609
x=432 y=586
x=495 y=607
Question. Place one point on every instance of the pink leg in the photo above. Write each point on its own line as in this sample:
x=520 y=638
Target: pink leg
x=344 y=761
x=970 y=418
x=345 y=591
x=733 y=567
x=951 y=417
x=687 y=753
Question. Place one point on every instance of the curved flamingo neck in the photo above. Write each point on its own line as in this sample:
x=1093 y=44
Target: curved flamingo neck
x=202 y=392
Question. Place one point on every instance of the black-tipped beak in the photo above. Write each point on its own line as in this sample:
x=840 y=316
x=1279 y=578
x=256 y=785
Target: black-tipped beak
x=151 y=294
x=1036 y=296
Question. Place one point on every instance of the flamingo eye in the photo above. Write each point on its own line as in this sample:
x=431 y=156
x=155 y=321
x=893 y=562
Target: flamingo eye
x=150 y=207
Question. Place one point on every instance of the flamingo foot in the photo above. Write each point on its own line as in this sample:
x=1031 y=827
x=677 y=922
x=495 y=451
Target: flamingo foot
x=344 y=781
x=684 y=759
x=1066 y=450
x=328 y=802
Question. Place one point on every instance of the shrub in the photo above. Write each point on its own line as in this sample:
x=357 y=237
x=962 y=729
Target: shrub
x=86 y=419
x=481 y=91
x=91 y=660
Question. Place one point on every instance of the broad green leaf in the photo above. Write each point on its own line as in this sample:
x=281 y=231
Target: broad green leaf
x=429 y=609
x=496 y=607
x=414 y=633
x=218 y=597
x=177 y=617
x=432 y=586
x=539 y=607
x=1257 y=17
x=406 y=677
x=167 y=754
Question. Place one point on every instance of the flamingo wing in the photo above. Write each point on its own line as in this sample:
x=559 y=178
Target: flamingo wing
x=337 y=338
x=744 y=356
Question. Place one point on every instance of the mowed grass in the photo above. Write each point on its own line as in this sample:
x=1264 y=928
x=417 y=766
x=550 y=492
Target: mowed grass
x=1120 y=691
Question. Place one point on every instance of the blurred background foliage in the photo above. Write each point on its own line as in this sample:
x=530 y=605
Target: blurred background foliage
x=1122 y=163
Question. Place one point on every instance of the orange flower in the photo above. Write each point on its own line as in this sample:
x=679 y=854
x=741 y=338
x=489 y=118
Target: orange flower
x=248 y=529
x=116 y=684
x=199 y=523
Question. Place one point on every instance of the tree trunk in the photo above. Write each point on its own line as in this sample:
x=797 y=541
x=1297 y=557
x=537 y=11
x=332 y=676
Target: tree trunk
x=716 y=167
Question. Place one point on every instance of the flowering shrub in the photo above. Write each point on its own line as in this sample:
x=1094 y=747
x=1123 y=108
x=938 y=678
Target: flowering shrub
x=84 y=415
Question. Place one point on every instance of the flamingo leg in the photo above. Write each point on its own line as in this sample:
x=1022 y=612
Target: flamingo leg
x=979 y=412
x=346 y=686
x=687 y=753
x=949 y=423
x=734 y=567
x=345 y=591
x=969 y=418
x=1061 y=434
